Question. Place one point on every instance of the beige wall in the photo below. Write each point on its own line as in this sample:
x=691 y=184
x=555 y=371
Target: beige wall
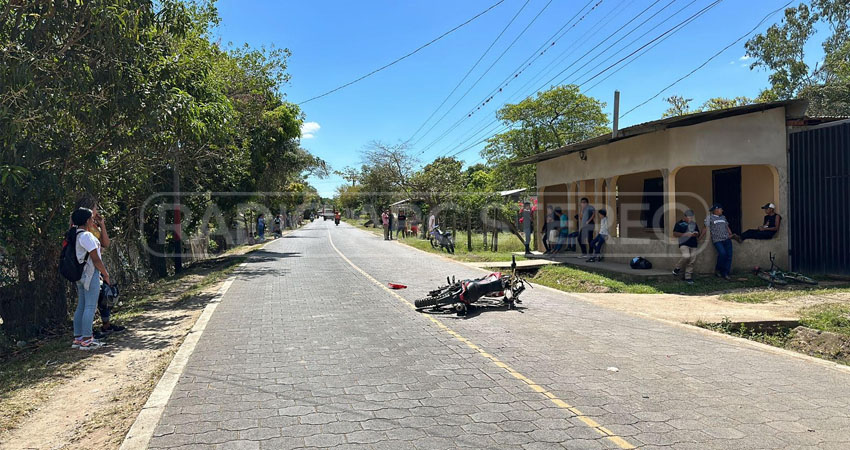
x=756 y=138
x=758 y=186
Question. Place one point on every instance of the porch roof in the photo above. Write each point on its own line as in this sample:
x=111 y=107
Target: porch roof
x=793 y=109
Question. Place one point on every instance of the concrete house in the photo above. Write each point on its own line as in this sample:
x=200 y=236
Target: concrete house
x=646 y=175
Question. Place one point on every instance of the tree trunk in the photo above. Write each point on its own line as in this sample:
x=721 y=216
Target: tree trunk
x=468 y=232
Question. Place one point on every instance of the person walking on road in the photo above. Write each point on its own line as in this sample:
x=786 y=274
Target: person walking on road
x=385 y=221
x=688 y=234
x=721 y=237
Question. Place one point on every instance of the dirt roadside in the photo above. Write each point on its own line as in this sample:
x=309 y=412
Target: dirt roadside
x=92 y=398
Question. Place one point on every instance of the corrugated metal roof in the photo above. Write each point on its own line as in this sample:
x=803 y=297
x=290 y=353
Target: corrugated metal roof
x=793 y=109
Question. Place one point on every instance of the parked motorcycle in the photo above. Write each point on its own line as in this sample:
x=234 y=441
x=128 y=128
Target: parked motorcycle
x=442 y=240
x=461 y=294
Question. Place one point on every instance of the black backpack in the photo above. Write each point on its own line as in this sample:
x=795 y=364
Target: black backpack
x=68 y=265
x=640 y=263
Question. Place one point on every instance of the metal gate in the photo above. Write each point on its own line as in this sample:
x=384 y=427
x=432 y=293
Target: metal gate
x=819 y=195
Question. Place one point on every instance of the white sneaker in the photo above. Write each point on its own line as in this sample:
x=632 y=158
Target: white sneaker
x=90 y=344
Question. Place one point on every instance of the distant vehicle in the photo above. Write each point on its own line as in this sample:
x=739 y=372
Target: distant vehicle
x=327 y=213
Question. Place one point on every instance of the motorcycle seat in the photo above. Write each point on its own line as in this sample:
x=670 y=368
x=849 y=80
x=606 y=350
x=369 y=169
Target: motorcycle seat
x=476 y=289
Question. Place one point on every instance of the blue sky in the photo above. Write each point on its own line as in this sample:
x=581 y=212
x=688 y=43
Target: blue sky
x=334 y=42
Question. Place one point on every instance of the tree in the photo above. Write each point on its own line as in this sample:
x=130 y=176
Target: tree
x=781 y=50
x=118 y=98
x=554 y=118
x=716 y=103
x=679 y=106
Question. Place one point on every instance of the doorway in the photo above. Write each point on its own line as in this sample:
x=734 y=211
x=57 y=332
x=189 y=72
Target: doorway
x=726 y=190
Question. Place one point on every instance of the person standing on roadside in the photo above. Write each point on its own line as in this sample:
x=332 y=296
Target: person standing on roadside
x=586 y=226
x=721 y=237
x=385 y=221
x=688 y=234
x=99 y=232
x=402 y=224
x=87 y=252
x=525 y=218
x=261 y=226
x=547 y=226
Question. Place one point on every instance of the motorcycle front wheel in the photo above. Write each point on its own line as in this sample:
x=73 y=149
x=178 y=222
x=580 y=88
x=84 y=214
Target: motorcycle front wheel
x=443 y=298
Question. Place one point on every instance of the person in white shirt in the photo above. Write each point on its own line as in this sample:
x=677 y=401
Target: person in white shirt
x=88 y=288
x=597 y=242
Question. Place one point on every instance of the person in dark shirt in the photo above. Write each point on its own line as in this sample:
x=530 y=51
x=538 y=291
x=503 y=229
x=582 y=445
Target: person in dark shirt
x=769 y=227
x=586 y=226
x=402 y=224
x=687 y=231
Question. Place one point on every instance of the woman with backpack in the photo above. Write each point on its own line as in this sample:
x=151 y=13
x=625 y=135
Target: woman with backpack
x=87 y=252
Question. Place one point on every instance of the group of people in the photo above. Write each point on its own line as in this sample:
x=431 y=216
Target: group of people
x=401 y=223
x=278 y=224
x=89 y=234
x=716 y=224
x=557 y=235
x=558 y=238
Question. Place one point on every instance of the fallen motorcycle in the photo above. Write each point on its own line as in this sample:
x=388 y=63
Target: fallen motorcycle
x=461 y=294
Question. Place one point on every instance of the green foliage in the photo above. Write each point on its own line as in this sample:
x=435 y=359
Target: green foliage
x=113 y=98
x=781 y=50
x=559 y=116
x=680 y=106
x=833 y=317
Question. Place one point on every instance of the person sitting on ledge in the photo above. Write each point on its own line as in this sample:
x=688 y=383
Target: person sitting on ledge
x=768 y=229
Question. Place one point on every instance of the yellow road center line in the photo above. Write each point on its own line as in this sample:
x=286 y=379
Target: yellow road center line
x=617 y=440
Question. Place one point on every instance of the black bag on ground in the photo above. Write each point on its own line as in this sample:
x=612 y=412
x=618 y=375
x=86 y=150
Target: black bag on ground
x=68 y=265
x=640 y=263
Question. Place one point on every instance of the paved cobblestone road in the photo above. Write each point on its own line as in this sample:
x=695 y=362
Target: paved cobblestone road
x=306 y=351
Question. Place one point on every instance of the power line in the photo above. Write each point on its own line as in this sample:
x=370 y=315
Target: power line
x=485 y=72
x=763 y=20
x=589 y=51
x=470 y=70
x=646 y=50
x=600 y=43
x=701 y=12
x=405 y=56
x=658 y=38
x=515 y=73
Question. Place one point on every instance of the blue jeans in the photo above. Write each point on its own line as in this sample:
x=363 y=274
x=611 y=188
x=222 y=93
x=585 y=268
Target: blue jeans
x=86 y=304
x=597 y=243
x=724 y=257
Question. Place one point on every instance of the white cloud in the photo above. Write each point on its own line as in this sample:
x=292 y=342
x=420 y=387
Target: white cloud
x=745 y=57
x=309 y=129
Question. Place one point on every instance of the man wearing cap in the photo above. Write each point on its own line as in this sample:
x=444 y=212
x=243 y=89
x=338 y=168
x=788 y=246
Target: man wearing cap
x=768 y=228
x=687 y=231
x=721 y=235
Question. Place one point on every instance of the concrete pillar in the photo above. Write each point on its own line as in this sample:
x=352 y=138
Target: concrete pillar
x=611 y=204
